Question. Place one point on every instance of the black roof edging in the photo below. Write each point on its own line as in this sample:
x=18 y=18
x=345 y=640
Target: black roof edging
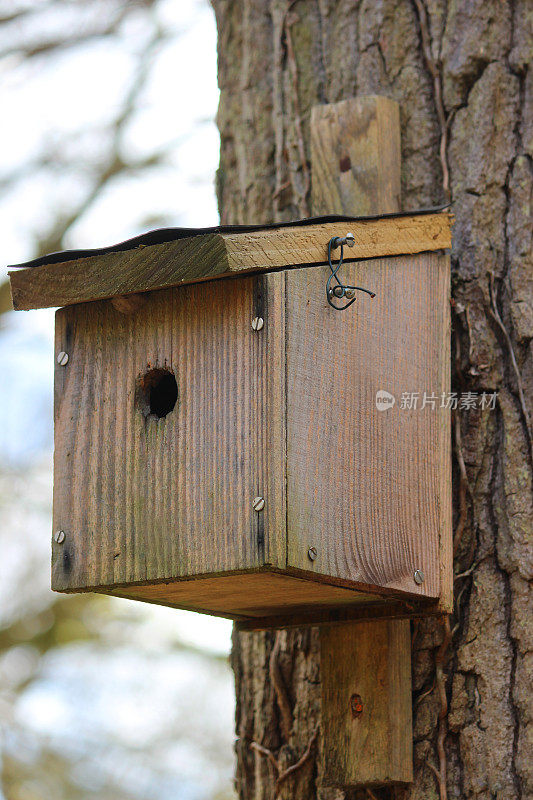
x=162 y=235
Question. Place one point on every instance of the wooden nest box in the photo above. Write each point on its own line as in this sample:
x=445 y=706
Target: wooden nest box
x=228 y=442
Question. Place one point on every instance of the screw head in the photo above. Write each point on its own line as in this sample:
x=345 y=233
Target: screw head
x=62 y=358
x=349 y=293
x=258 y=504
x=59 y=537
x=350 y=239
x=312 y=553
x=257 y=323
x=418 y=576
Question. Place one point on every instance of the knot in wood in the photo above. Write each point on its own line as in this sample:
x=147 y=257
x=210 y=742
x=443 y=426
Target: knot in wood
x=356 y=705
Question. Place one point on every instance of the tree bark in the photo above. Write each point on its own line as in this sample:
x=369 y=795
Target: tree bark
x=461 y=73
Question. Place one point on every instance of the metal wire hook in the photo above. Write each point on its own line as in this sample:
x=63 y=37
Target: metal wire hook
x=341 y=291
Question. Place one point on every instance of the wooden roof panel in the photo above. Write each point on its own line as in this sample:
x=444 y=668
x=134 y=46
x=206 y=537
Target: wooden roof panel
x=142 y=264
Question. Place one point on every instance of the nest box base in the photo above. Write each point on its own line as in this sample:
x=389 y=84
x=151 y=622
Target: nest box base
x=266 y=599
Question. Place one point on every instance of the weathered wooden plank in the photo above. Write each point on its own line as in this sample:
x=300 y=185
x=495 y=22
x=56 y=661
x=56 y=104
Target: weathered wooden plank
x=197 y=258
x=332 y=617
x=443 y=444
x=273 y=248
x=141 y=498
x=250 y=595
x=366 y=715
x=106 y=275
x=358 y=491
x=375 y=657
x=355 y=152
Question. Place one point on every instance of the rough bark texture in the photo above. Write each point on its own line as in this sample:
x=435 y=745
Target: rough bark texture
x=461 y=73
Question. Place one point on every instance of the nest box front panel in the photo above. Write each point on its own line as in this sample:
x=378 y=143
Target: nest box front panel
x=368 y=441
x=168 y=425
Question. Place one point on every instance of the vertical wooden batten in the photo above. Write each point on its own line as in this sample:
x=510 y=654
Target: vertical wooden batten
x=355 y=163
x=356 y=157
x=366 y=703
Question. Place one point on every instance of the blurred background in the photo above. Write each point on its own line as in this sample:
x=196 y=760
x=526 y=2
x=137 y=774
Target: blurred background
x=107 y=130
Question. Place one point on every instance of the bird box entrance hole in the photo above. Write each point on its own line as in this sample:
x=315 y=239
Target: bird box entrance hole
x=157 y=392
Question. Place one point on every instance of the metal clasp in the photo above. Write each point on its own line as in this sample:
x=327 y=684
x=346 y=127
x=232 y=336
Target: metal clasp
x=341 y=291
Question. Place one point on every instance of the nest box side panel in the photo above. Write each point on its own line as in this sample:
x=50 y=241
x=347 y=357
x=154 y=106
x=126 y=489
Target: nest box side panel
x=142 y=497
x=370 y=488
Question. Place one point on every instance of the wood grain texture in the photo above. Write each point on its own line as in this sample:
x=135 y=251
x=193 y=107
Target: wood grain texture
x=250 y=595
x=377 y=610
x=107 y=275
x=305 y=245
x=365 y=132
x=366 y=719
x=443 y=440
x=141 y=498
x=369 y=488
x=198 y=258
x=355 y=155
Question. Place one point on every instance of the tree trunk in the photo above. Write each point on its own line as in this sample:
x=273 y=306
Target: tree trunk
x=461 y=73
